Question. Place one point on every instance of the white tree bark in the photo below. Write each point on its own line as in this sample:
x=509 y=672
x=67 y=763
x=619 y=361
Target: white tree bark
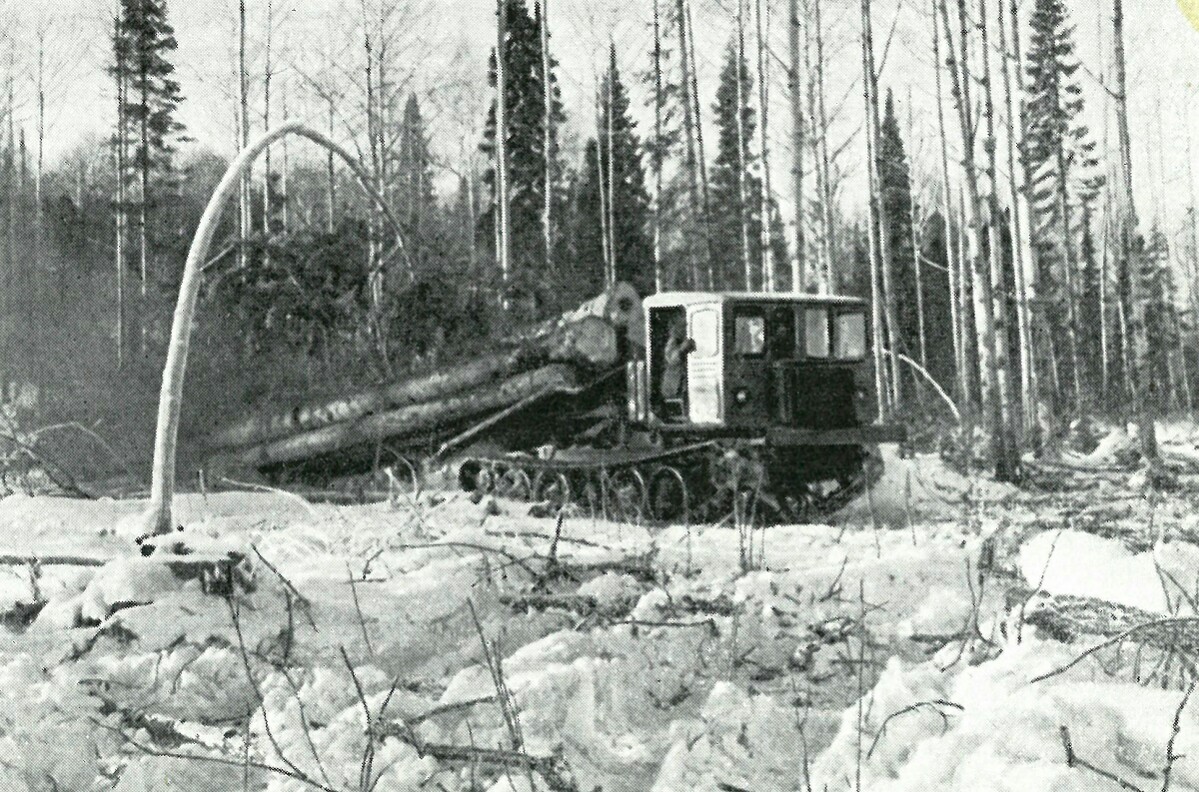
x=159 y=518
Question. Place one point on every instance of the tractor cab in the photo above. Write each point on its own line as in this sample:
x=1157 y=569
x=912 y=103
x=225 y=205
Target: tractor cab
x=747 y=363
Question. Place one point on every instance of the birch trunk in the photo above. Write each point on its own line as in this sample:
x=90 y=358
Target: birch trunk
x=159 y=517
x=703 y=160
x=656 y=161
x=243 y=127
x=948 y=213
x=504 y=238
x=797 y=133
x=881 y=383
x=1144 y=393
x=826 y=195
x=742 y=144
x=1007 y=467
x=547 y=139
x=886 y=257
x=1020 y=230
x=121 y=140
x=763 y=28
x=984 y=318
x=689 y=138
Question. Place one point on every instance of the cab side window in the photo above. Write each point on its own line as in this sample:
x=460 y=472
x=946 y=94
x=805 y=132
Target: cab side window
x=749 y=333
x=816 y=335
x=704 y=330
x=851 y=335
x=781 y=333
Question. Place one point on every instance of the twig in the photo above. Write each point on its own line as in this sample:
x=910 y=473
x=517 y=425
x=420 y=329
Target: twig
x=258 y=697
x=274 y=490
x=1118 y=639
x=1171 y=757
x=238 y=763
x=358 y=609
x=291 y=587
x=1073 y=760
x=364 y=771
x=936 y=705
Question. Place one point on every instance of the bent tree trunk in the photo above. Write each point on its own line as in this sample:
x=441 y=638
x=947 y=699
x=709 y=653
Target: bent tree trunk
x=162 y=487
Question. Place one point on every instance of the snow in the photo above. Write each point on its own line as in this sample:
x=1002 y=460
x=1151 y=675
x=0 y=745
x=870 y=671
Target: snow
x=730 y=670
x=1004 y=734
x=1079 y=564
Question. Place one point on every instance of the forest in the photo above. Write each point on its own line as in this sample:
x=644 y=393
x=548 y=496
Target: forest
x=991 y=220
x=338 y=449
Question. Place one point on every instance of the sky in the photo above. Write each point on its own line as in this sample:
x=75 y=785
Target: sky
x=440 y=50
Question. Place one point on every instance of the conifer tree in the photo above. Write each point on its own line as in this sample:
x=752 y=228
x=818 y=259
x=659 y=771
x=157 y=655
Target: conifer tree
x=414 y=185
x=142 y=45
x=525 y=102
x=1090 y=306
x=733 y=152
x=896 y=190
x=1062 y=164
x=630 y=207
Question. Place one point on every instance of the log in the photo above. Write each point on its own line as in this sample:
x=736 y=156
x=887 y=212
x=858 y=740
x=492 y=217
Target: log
x=412 y=419
x=586 y=340
x=51 y=560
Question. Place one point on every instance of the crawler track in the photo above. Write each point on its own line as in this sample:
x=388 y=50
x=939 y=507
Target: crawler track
x=701 y=482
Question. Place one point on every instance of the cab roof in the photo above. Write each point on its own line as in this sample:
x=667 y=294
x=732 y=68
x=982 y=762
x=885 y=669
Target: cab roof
x=684 y=298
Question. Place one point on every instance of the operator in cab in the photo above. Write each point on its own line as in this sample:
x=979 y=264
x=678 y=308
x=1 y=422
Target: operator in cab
x=674 y=362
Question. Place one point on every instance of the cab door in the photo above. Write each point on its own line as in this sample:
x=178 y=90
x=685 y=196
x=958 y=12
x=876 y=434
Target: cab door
x=704 y=365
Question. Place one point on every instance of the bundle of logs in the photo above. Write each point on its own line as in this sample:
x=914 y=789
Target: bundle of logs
x=507 y=374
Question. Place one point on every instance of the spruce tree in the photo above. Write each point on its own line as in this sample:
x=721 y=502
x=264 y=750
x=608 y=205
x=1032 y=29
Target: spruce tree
x=142 y=45
x=525 y=102
x=1062 y=163
x=1153 y=255
x=587 y=244
x=682 y=243
x=727 y=205
x=630 y=208
x=1090 y=307
x=142 y=53
x=414 y=178
x=897 y=208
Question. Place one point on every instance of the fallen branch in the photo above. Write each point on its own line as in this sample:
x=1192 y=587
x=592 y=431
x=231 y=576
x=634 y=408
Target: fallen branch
x=582 y=604
x=118 y=458
x=1191 y=621
x=52 y=560
x=521 y=562
x=551 y=768
x=238 y=763
x=62 y=479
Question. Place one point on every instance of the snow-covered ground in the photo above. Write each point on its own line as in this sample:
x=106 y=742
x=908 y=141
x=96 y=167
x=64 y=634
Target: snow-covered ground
x=882 y=652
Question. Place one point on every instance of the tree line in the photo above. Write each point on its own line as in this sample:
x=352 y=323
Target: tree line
x=1017 y=277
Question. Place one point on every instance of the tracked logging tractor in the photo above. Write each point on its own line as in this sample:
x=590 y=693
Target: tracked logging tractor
x=684 y=406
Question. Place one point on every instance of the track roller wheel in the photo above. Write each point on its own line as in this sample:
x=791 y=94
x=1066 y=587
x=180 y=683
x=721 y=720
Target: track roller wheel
x=400 y=478
x=553 y=489
x=485 y=479
x=669 y=500
x=514 y=483
x=625 y=495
